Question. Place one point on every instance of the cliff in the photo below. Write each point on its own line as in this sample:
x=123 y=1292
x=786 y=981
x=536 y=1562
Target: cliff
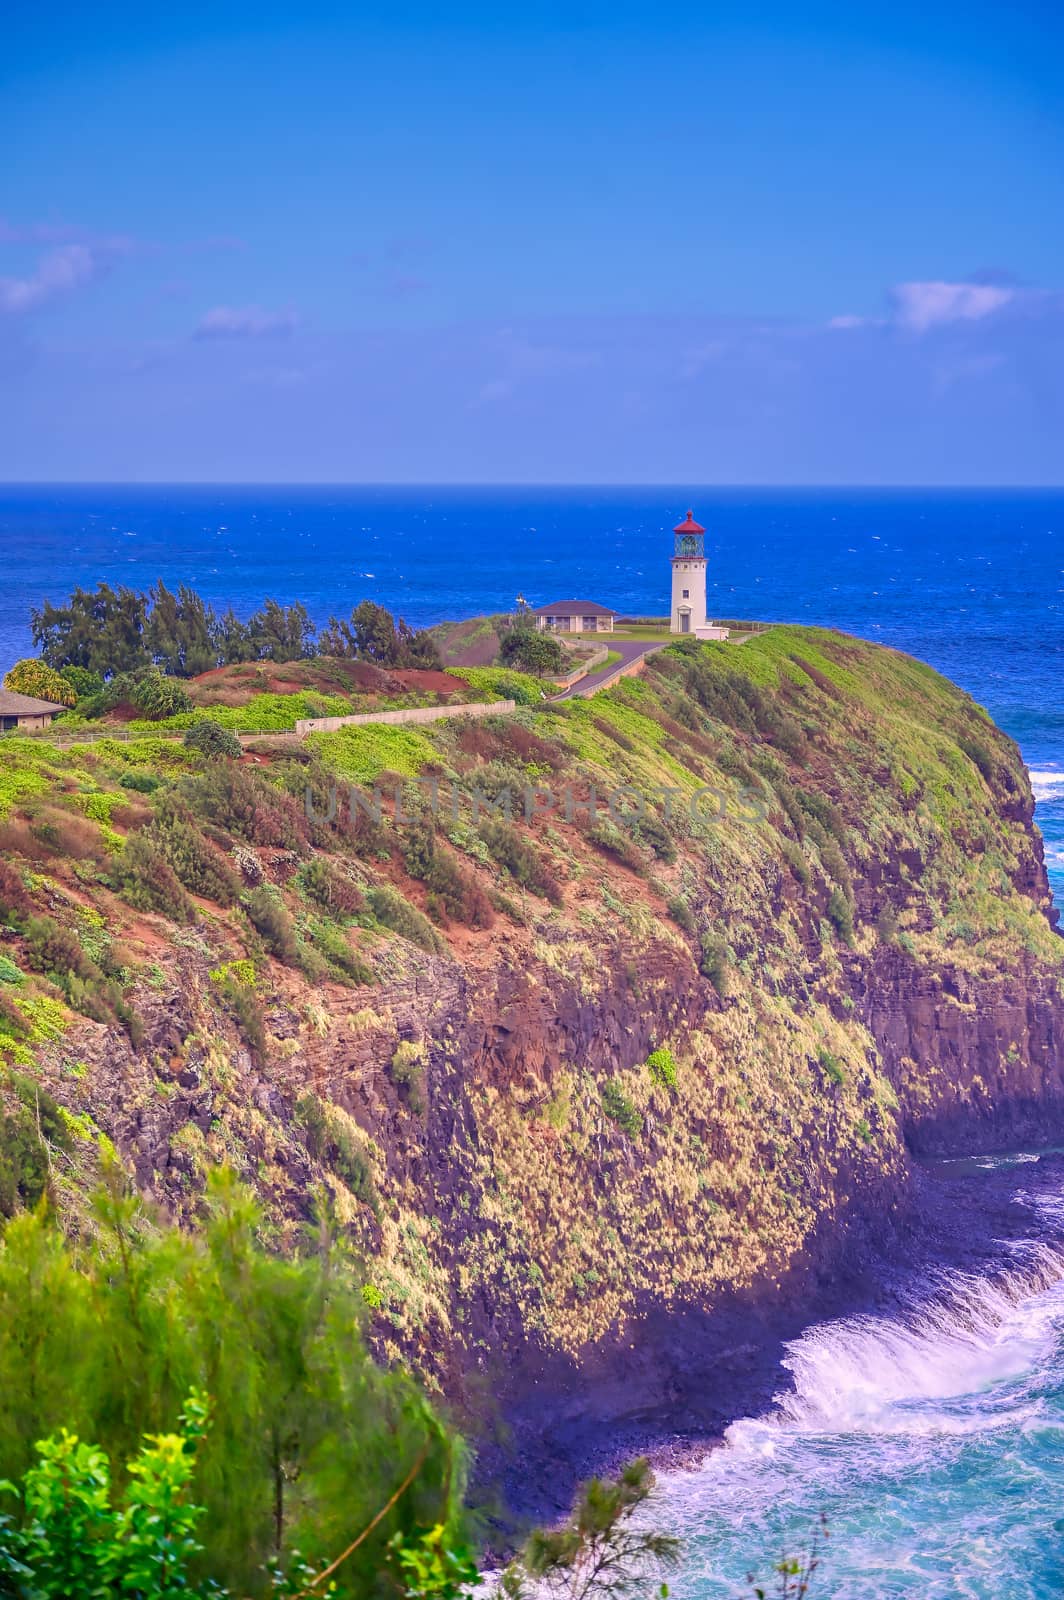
x=590 y=1093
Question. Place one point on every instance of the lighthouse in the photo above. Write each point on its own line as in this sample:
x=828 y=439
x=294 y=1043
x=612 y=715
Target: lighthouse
x=689 y=577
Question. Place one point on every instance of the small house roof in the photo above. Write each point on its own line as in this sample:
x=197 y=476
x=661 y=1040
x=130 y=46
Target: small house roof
x=24 y=705
x=573 y=608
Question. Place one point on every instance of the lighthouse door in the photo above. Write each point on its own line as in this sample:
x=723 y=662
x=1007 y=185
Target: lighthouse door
x=685 y=622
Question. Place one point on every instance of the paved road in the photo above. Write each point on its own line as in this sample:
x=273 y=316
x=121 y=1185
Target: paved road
x=629 y=650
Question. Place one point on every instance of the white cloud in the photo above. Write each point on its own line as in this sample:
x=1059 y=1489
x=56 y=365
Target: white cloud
x=244 y=322
x=920 y=306
x=56 y=273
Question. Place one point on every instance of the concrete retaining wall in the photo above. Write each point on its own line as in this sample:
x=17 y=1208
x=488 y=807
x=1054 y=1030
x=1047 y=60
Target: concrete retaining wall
x=594 y=660
x=496 y=708
x=628 y=669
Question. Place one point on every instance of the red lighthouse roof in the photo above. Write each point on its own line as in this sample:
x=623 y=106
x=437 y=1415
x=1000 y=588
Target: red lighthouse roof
x=689 y=525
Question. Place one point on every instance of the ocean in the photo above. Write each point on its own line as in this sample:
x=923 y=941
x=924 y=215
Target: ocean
x=931 y=1438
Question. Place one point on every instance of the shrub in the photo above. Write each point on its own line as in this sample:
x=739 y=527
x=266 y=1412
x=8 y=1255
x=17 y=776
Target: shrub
x=456 y=894
x=607 y=837
x=158 y=697
x=824 y=811
x=651 y=830
x=243 y=1002
x=311 y=1445
x=661 y=1065
x=140 y=782
x=840 y=915
x=528 y=650
x=73 y=1541
x=330 y=888
x=63 y=833
x=41 y=682
x=393 y=910
x=9 y=973
x=832 y=1066
x=408 y=1072
x=55 y=950
x=332 y=943
x=23 y=1164
x=510 y=850
x=154 y=696
x=887 y=925
x=795 y=859
x=199 y=864
x=240 y=802
x=331 y=1142
x=981 y=755
x=714 y=962
x=25 y=1134
x=15 y=902
x=619 y=1109
x=212 y=741
x=681 y=913
x=272 y=920
x=453 y=892
x=59 y=953
x=142 y=875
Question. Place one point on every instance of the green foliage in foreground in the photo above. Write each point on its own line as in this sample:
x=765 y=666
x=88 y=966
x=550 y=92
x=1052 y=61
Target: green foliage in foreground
x=311 y=1447
x=597 y=1552
x=73 y=1540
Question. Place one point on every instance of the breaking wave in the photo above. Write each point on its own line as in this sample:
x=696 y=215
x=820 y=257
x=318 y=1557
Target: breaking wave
x=932 y=1440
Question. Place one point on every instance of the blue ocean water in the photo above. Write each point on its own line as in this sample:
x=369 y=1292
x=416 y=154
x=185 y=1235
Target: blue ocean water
x=972 y=582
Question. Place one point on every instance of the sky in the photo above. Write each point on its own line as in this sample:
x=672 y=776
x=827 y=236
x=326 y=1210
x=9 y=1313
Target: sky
x=766 y=244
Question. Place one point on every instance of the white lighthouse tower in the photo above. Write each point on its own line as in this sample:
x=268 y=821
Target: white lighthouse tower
x=689 y=577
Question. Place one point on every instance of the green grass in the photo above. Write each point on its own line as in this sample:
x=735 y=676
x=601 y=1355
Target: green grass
x=499 y=683
x=359 y=754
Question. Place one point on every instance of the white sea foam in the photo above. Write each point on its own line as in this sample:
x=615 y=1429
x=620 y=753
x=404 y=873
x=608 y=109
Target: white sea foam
x=1046 y=784
x=910 y=1376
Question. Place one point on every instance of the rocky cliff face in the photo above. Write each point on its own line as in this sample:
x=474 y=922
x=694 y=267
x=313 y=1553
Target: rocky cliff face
x=648 y=1084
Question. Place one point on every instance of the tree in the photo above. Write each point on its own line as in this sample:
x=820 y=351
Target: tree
x=309 y=1439
x=280 y=633
x=181 y=632
x=597 y=1553
x=38 y=679
x=373 y=632
x=232 y=641
x=84 y=683
x=102 y=631
x=374 y=635
x=531 y=651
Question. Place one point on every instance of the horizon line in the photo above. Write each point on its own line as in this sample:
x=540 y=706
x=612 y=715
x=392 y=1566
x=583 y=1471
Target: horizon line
x=689 y=485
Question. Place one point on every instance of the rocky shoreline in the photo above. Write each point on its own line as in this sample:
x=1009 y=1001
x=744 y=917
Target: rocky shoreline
x=685 y=1378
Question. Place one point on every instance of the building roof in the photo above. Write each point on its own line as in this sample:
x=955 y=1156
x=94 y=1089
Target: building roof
x=24 y=705
x=689 y=525
x=573 y=608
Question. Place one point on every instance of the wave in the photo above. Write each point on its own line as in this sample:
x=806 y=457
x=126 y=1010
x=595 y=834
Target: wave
x=966 y=1334
x=1046 y=784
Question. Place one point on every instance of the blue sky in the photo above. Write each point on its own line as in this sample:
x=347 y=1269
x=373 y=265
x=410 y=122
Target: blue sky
x=783 y=243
